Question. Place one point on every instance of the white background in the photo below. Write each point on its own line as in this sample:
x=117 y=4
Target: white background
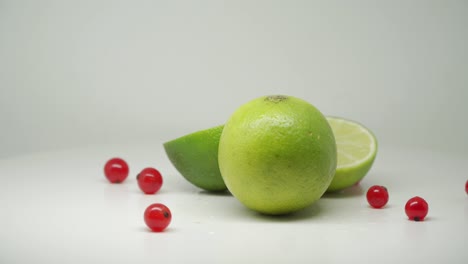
x=81 y=81
x=87 y=72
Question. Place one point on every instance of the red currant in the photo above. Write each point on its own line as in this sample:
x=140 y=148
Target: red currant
x=157 y=217
x=116 y=170
x=377 y=196
x=149 y=180
x=416 y=208
x=466 y=187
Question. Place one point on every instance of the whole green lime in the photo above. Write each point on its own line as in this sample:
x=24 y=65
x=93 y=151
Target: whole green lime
x=277 y=154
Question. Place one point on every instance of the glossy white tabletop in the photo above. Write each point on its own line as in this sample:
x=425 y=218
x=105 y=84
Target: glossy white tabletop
x=59 y=208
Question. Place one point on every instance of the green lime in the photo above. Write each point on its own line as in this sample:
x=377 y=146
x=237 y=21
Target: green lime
x=195 y=156
x=357 y=149
x=277 y=154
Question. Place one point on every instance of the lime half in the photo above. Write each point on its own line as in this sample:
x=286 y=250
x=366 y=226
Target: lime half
x=356 y=149
x=195 y=156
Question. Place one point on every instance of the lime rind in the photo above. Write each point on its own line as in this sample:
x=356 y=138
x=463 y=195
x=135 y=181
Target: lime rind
x=277 y=154
x=195 y=157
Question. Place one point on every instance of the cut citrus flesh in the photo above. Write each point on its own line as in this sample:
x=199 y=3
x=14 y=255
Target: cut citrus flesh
x=356 y=149
x=195 y=156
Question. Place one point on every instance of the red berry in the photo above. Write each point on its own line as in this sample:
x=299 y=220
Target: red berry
x=149 y=180
x=116 y=170
x=377 y=196
x=157 y=217
x=466 y=187
x=416 y=208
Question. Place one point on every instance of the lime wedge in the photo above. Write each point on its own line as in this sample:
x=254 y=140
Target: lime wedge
x=357 y=149
x=195 y=156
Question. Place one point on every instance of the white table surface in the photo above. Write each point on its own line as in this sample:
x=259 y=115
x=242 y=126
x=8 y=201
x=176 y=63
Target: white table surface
x=57 y=207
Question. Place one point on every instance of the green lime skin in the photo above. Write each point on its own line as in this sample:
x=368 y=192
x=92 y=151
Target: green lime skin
x=195 y=156
x=277 y=154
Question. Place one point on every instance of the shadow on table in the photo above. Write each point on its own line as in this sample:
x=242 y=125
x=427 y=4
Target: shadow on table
x=217 y=193
x=356 y=190
x=307 y=213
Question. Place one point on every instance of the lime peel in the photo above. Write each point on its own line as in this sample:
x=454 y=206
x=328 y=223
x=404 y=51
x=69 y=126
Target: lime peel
x=195 y=156
x=269 y=159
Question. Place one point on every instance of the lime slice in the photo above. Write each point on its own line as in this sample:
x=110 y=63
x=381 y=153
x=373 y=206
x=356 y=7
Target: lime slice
x=357 y=149
x=195 y=156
